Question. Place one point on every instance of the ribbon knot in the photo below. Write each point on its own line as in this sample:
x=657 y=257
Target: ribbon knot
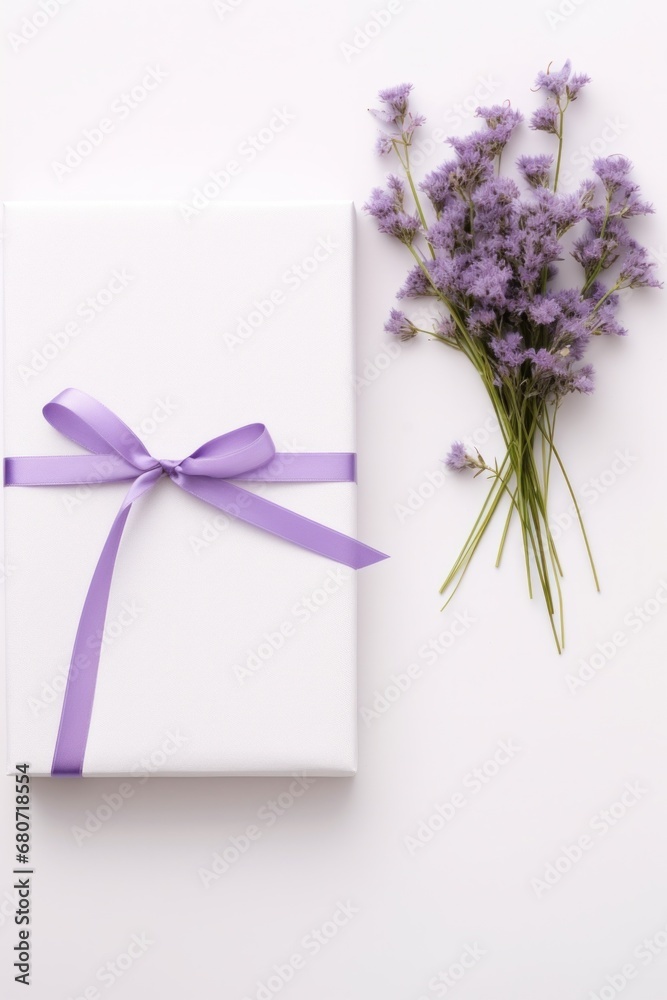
x=115 y=454
x=169 y=466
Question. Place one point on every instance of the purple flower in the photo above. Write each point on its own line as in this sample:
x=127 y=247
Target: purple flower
x=637 y=271
x=602 y=319
x=438 y=187
x=546 y=362
x=501 y=120
x=415 y=285
x=401 y=225
x=556 y=82
x=562 y=211
x=509 y=352
x=562 y=82
x=554 y=376
x=496 y=193
x=399 y=324
x=545 y=119
x=458 y=458
x=396 y=114
x=489 y=142
x=490 y=252
x=543 y=309
x=449 y=232
x=623 y=194
x=632 y=204
x=380 y=203
x=500 y=115
x=387 y=208
x=460 y=177
x=495 y=208
x=589 y=251
x=481 y=321
x=612 y=170
x=486 y=281
x=535 y=169
x=397 y=95
x=416 y=121
x=537 y=246
x=575 y=83
x=445 y=272
x=445 y=326
x=384 y=144
x=395 y=101
x=583 y=379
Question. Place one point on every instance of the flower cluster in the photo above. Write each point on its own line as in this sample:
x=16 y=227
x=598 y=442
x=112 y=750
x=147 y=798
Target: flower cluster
x=487 y=246
x=493 y=251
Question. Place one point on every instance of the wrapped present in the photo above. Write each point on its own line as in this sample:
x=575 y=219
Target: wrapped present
x=180 y=442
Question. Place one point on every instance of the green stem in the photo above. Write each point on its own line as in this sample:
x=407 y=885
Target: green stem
x=474 y=536
x=579 y=517
x=561 y=116
x=413 y=189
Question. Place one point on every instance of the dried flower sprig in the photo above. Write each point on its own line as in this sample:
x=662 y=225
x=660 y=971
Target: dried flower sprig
x=487 y=255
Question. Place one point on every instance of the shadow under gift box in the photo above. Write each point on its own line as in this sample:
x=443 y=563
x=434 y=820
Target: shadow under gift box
x=234 y=646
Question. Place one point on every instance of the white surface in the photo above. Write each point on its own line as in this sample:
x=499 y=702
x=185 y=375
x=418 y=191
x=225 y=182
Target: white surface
x=244 y=651
x=500 y=680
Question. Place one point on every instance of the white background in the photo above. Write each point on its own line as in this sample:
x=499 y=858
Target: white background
x=472 y=886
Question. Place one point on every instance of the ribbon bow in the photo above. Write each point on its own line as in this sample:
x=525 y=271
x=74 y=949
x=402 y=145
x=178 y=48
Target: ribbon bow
x=117 y=454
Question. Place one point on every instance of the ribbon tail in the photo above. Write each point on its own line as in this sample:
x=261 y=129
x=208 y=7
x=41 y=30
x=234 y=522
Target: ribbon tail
x=280 y=521
x=82 y=676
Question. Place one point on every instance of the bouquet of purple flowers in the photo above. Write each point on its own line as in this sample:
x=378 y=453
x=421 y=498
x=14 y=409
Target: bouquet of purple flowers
x=486 y=253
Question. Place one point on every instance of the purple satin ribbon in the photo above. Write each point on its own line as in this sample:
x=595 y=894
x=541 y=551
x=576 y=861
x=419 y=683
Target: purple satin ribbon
x=117 y=454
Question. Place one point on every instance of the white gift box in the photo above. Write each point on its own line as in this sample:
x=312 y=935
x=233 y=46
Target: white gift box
x=226 y=650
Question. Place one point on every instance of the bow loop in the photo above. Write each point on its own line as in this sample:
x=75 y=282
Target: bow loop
x=89 y=423
x=231 y=455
